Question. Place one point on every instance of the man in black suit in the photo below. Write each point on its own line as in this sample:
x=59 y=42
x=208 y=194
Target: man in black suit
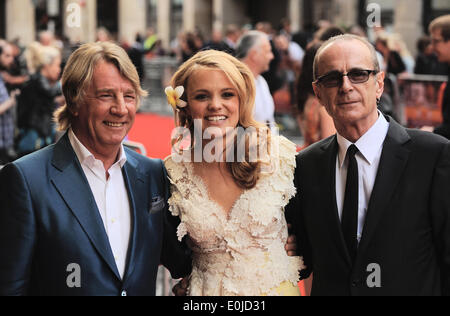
x=372 y=215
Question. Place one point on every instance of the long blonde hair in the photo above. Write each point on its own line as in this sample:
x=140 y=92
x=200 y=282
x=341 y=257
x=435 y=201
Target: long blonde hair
x=245 y=174
x=79 y=72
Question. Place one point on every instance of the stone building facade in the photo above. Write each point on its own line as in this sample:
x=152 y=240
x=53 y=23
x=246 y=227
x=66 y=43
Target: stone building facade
x=79 y=19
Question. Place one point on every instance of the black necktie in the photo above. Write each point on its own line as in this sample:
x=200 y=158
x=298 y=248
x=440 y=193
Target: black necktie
x=350 y=212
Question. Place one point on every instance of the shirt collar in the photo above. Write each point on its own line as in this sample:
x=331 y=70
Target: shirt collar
x=86 y=157
x=369 y=144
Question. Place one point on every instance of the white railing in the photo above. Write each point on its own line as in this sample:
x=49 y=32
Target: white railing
x=164 y=283
x=137 y=147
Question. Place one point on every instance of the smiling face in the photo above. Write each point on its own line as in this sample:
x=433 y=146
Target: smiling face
x=107 y=113
x=349 y=104
x=213 y=99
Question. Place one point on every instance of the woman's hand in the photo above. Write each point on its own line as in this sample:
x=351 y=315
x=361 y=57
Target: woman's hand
x=291 y=245
x=180 y=289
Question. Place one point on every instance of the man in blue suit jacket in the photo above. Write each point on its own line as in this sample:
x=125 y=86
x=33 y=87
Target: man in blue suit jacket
x=65 y=227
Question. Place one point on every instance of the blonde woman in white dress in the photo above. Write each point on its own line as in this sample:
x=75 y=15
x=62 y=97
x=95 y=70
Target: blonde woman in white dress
x=231 y=212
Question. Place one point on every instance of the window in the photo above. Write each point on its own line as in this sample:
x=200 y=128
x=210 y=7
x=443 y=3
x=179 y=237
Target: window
x=2 y=18
x=152 y=14
x=108 y=16
x=49 y=15
x=176 y=18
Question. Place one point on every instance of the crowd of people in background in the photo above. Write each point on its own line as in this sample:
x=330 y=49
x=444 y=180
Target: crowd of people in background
x=30 y=90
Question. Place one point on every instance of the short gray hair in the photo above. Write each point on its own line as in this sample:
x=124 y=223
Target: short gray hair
x=47 y=55
x=247 y=42
x=346 y=37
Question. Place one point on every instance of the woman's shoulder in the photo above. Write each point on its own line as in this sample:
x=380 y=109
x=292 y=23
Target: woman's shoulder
x=283 y=154
x=283 y=148
x=175 y=168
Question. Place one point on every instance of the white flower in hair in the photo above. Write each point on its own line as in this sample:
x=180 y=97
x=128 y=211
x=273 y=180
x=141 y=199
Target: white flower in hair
x=174 y=97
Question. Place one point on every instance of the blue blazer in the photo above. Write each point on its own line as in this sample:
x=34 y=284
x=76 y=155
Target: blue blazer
x=49 y=224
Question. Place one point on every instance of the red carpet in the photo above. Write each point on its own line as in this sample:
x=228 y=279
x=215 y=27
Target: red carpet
x=153 y=131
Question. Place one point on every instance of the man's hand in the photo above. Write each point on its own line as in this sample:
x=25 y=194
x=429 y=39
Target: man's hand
x=291 y=245
x=427 y=129
x=180 y=289
x=14 y=94
x=11 y=102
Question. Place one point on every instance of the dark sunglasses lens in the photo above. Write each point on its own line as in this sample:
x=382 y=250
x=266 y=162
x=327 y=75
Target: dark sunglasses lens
x=331 y=80
x=358 y=76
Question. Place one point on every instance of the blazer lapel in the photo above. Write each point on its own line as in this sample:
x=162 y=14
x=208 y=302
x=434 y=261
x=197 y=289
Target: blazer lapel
x=71 y=183
x=137 y=190
x=328 y=178
x=393 y=161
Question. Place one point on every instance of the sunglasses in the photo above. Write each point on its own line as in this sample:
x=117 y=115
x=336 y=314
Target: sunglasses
x=335 y=78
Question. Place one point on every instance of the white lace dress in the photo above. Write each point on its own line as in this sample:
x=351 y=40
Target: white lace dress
x=243 y=253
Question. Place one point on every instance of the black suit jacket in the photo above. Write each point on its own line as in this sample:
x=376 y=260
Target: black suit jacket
x=407 y=228
x=49 y=220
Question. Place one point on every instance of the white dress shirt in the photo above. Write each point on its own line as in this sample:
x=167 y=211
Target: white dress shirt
x=264 y=104
x=111 y=196
x=370 y=147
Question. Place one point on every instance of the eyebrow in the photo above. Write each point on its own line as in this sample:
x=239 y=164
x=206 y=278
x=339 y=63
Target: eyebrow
x=113 y=91
x=207 y=91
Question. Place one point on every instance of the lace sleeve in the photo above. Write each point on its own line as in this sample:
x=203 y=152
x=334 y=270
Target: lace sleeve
x=286 y=163
x=176 y=175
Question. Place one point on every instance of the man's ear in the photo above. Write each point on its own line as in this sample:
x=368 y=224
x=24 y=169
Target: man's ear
x=252 y=53
x=316 y=89
x=380 y=84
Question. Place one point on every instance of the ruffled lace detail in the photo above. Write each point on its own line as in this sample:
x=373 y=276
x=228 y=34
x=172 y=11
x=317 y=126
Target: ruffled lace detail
x=243 y=253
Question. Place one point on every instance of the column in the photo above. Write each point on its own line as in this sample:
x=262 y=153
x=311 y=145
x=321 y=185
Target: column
x=295 y=11
x=408 y=22
x=230 y=12
x=218 y=9
x=346 y=13
x=197 y=14
x=189 y=15
x=163 y=23
x=20 y=21
x=80 y=20
x=132 y=19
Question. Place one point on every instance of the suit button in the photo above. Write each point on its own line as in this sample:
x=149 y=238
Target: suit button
x=124 y=293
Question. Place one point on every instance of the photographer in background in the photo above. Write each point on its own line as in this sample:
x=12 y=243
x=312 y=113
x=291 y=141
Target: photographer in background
x=7 y=104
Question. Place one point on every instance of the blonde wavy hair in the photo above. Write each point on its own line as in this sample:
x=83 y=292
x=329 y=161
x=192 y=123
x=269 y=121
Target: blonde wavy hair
x=247 y=173
x=78 y=74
